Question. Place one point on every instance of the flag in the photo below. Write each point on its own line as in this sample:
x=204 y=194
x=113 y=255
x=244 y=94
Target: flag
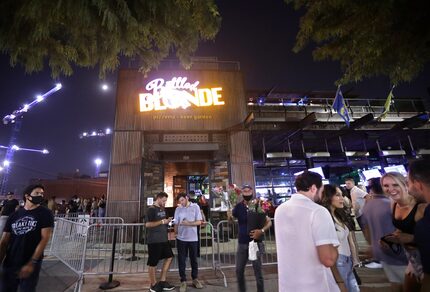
x=340 y=107
x=387 y=105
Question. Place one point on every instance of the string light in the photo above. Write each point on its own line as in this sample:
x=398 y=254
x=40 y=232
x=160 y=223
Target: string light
x=96 y=133
x=26 y=107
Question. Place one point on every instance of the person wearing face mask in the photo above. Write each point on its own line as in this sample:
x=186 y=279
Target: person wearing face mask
x=25 y=236
x=240 y=212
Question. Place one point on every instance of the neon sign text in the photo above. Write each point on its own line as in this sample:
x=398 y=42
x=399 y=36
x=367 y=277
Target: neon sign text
x=177 y=93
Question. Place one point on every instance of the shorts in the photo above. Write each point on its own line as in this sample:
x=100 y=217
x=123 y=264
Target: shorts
x=158 y=251
x=395 y=274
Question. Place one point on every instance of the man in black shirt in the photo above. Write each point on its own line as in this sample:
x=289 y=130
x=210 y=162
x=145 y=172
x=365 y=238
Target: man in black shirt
x=158 y=243
x=25 y=236
x=8 y=207
x=419 y=187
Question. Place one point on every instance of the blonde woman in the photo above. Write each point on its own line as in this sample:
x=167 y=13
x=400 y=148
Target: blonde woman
x=406 y=211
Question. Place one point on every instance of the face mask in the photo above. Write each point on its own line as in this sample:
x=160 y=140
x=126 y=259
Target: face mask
x=193 y=200
x=36 y=199
x=247 y=198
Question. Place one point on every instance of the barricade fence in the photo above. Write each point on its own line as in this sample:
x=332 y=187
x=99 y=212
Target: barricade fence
x=227 y=242
x=108 y=246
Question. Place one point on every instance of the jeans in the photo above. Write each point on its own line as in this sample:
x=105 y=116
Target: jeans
x=185 y=247
x=102 y=212
x=242 y=260
x=10 y=283
x=344 y=266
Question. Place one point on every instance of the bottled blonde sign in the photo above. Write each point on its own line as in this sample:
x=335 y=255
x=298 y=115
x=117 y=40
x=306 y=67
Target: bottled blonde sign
x=177 y=93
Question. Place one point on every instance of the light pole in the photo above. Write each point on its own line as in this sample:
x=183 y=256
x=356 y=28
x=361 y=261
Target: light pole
x=97 y=162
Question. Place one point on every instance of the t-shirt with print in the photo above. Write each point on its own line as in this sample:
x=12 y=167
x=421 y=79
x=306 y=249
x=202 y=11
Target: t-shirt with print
x=25 y=228
x=158 y=233
x=189 y=213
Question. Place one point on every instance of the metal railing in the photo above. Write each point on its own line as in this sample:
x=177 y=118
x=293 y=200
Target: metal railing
x=227 y=243
x=108 y=246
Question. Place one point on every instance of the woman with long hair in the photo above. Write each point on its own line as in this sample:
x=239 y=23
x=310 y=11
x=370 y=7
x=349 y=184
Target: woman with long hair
x=333 y=200
x=406 y=211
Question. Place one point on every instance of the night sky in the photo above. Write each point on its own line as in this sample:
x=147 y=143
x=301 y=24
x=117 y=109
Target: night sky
x=258 y=34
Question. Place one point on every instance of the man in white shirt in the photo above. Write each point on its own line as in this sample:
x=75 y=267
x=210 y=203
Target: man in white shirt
x=306 y=240
x=358 y=199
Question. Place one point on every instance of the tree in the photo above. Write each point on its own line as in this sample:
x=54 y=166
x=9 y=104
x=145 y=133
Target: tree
x=368 y=37
x=87 y=33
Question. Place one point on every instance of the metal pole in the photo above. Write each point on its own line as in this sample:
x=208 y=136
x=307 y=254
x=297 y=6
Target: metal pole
x=133 y=246
x=110 y=284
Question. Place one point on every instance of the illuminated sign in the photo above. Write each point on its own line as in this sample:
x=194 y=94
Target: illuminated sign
x=177 y=93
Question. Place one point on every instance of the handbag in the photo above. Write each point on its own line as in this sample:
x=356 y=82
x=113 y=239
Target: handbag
x=252 y=250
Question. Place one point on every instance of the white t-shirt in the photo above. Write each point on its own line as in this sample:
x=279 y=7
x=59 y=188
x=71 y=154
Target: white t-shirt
x=357 y=197
x=342 y=234
x=300 y=226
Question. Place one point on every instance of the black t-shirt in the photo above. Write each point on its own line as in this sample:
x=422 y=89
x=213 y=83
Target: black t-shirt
x=25 y=228
x=159 y=233
x=9 y=207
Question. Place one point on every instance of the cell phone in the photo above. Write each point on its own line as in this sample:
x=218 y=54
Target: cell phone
x=171 y=223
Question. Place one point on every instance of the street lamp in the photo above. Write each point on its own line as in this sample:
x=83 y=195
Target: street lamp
x=98 y=162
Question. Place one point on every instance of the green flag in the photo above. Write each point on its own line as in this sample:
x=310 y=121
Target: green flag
x=387 y=104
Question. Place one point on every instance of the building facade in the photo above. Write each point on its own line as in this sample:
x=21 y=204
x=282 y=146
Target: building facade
x=176 y=131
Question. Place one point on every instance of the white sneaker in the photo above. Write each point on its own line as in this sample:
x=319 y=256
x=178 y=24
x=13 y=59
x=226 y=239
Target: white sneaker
x=373 y=265
x=183 y=287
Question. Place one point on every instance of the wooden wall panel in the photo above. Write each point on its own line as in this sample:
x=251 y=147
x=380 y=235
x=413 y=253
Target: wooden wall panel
x=127 y=147
x=241 y=161
x=124 y=209
x=125 y=175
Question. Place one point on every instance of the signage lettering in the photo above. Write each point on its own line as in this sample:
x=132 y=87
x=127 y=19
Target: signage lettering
x=177 y=93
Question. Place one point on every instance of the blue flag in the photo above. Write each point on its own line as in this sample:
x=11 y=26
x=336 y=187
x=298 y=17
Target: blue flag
x=340 y=107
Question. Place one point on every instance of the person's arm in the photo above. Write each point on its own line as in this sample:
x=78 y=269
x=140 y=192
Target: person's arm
x=257 y=233
x=28 y=268
x=366 y=233
x=197 y=218
x=158 y=222
x=327 y=254
x=325 y=237
x=151 y=219
x=354 y=203
x=420 y=211
x=3 y=245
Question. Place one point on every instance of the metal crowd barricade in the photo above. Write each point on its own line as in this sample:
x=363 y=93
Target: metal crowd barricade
x=227 y=243
x=86 y=248
x=81 y=218
x=70 y=216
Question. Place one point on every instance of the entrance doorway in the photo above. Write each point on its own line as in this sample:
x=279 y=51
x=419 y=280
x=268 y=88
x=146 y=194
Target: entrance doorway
x=183 y=177
x=199 y=184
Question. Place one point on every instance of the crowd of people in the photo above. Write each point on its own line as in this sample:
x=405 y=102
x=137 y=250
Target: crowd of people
x=96 y=207
x=314 y=232
x=315 y=239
